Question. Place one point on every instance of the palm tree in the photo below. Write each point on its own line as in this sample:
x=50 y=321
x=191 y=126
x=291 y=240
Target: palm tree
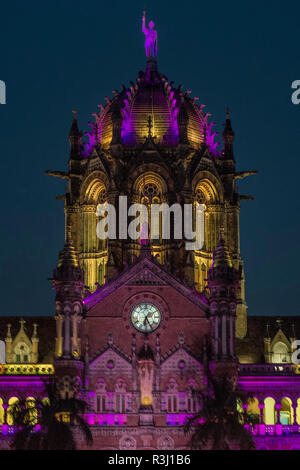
x=57 y=418
x=220 y=423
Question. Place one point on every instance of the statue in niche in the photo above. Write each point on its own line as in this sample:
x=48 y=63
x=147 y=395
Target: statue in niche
x=150 y=38
x=146 y=372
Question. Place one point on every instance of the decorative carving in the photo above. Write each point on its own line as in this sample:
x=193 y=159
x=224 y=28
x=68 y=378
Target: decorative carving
x=127 y=443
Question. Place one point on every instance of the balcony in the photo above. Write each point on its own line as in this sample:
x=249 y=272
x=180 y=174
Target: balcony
x=274 y=430
x=106 y=419
x=268 y=369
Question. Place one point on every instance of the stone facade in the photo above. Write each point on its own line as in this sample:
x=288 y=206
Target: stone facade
x=153 y=144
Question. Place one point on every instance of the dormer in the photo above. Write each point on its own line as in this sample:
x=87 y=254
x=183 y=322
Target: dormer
x=279 y=349
x=22 y=349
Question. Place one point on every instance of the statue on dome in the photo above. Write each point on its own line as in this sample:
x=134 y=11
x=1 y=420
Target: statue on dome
x=150 y=38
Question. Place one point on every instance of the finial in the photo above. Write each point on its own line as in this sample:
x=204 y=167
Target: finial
x=8 y=330
x=110 y=339
x=227 y=113
x=181 y=338
x=74 y=111
x=279 y=323
x=22 y=323
x=34 y=330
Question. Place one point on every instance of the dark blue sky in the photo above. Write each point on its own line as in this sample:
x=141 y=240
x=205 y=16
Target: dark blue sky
x=64 y=54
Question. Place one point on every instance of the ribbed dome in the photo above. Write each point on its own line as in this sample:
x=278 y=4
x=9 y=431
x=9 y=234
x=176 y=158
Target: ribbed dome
x=175 y=117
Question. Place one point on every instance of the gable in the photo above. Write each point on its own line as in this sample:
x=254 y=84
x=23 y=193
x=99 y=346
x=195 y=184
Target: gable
x=145 y=278
x=110 y=363
x=144 y=273
x=182 y=364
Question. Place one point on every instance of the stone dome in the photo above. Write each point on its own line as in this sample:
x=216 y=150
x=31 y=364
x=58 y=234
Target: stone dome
x=175 y=118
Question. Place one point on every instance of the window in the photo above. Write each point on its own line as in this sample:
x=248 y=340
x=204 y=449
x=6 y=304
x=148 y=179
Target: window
x=172 y=403
x=101 y=403
x=120 y=396
x=281 y=354
x=172 y=396
x=120 y=403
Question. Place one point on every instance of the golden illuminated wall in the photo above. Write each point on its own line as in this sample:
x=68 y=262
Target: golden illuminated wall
x=82 y=220
x=219 y=213
x=149 y=187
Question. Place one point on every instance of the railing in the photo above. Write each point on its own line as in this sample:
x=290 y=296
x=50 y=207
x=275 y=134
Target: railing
x=26 y=369
x=268 y=369
x=273 y=430
x=8 y=430
x=106 y=419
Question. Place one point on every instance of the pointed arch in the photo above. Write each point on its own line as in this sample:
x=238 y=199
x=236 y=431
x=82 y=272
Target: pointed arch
x=94 y=188
x=210 y=186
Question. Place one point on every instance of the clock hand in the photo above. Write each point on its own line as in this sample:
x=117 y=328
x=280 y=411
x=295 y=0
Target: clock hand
x=146 y=320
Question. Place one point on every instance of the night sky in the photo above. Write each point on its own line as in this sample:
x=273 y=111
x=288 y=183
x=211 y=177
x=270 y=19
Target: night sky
x=61 y=55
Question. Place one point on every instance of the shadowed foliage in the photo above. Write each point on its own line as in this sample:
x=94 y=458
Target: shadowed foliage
x=58 y=419
x=220 y=423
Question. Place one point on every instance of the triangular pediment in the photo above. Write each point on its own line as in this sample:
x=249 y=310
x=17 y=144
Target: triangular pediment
x=280 y=337
x=110 y=361
x=146 y=278
x=183 y=363
x=146 y=271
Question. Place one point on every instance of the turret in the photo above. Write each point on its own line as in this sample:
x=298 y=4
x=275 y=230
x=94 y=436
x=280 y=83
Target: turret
x=75 y=138
x=68 y=282
x=228 y=138
x=223 y=283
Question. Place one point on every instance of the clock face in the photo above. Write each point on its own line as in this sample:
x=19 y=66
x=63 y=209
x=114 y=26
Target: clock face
x=145 y=318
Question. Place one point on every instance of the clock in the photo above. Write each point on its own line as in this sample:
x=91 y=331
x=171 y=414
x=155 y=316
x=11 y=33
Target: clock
x=145 y=317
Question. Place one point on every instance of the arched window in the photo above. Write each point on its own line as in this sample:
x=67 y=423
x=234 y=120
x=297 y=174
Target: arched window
x=11 y=402
x=100 y=404
x=191 y=397
x=280 y=353
x=172 y=396
x=32 y=413
x=253 y=409
x=1 y=412
x=298 y=411
x=286 y=412
x=120 y=396
x=269 y=411
x=151 y=194
x=206 y=194
x=22 y=353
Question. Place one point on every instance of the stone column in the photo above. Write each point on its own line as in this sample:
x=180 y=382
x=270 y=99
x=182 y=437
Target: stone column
x=278 y=408
x=224 y=335
x=67 y=335
x=59 y=339
x=261 y=415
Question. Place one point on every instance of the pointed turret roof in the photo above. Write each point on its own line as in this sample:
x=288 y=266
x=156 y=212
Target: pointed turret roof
x=68 y=268
x=68 y=256
x=74 y=131
x=221 y=255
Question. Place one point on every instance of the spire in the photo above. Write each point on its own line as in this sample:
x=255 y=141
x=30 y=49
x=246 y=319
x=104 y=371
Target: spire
x=75 y=137
x=68 y=268
x=221 y=255
x=228 y=138
x=68 y=256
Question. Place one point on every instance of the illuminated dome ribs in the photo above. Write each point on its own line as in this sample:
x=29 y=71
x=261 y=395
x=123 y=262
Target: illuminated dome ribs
x=176 y=118
x=149 y=101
